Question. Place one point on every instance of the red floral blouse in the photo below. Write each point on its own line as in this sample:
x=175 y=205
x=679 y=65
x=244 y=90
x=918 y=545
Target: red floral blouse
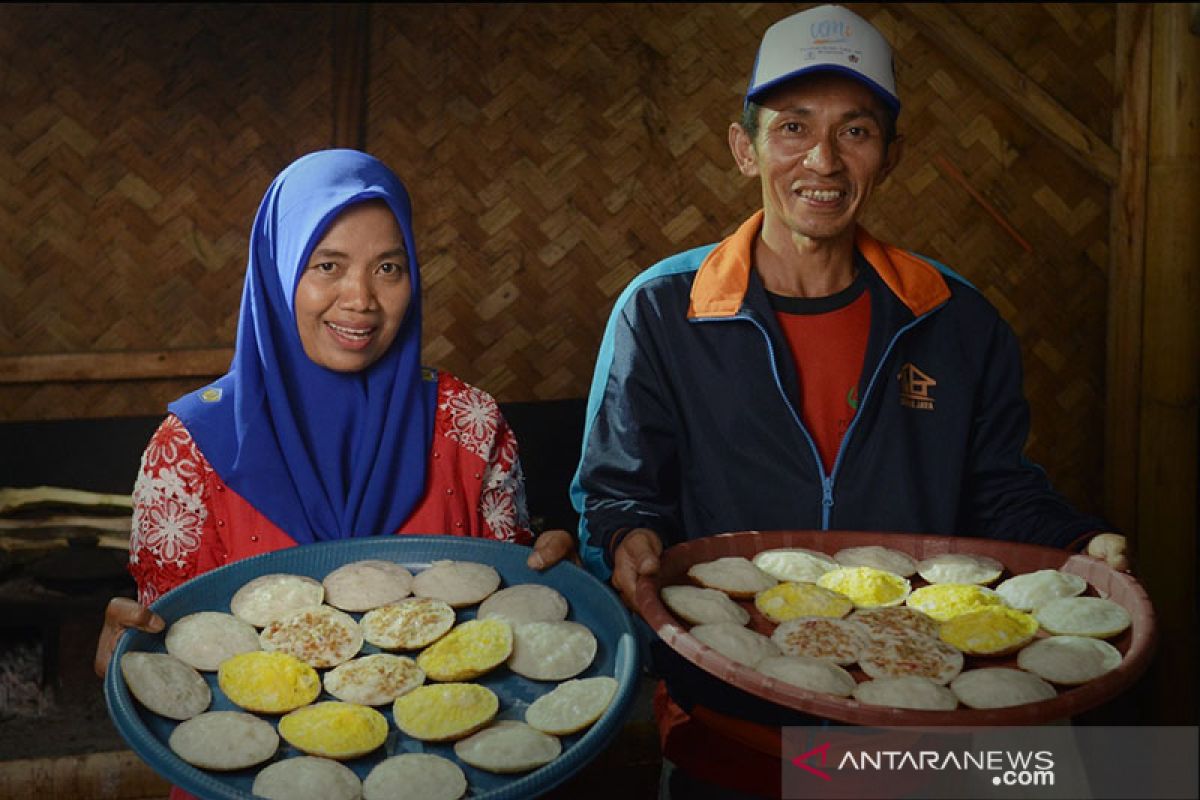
x=186 y=521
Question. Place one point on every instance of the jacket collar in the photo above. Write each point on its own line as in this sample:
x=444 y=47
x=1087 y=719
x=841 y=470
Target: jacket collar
x=719 y=287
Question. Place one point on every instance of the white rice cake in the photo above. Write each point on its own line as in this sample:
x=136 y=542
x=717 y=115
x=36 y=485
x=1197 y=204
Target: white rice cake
x=696 y=606
x=1084 y=616
x=363 y=585
x=876 y=556
x=736 y=642
x=1000 y=687
x=794 y=563
x=1069 y=660
x=1033 y=590
x=960 y=568
x=415 y=776
x=896 y=621
x=457 y=583
x=224 y=740
x=551 y=651
x=912 y=655
x=813 y=674
x=508 y=746
x=307 y=778
x=525 y=602
x=410 y=624
x=268 y=597
x=906 y=691
x=321 y=636
x=572 y=705
x=837 y=640
x=373 y=680
x=165 y=684
x=206 y=638
x=734 y=575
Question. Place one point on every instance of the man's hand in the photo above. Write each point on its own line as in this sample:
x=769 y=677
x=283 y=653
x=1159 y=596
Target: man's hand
x=120 y=614
x=551 y=547
x=637 y=555
x=1111 y=548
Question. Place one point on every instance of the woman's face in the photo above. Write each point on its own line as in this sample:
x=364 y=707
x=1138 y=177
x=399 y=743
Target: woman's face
x=354 y=291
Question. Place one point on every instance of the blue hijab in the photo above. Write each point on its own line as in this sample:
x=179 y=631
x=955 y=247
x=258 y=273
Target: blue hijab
x=322 y=454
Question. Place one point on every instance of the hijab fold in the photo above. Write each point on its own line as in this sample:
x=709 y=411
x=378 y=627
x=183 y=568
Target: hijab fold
x=322 y=454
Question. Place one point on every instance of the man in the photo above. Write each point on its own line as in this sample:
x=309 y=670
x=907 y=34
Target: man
x=801 y=374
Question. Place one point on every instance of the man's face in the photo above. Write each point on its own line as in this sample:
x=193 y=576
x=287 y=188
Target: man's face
x=819 y=154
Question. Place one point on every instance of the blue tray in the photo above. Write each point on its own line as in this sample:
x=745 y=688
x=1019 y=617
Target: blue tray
x=591 y=603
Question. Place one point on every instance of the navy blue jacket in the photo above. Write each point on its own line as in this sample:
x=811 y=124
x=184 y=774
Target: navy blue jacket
x=693 y=424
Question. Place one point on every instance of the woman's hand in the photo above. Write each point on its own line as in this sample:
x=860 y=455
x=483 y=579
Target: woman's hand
x=120 y=614
x=551 y=547
x=1111 y=548
x=637 y=555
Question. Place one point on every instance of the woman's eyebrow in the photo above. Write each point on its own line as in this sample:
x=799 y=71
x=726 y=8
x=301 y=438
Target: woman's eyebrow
x=327 y=252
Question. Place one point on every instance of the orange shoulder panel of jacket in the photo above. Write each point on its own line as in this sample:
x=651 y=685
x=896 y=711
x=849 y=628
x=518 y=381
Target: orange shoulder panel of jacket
x=720 y=284
x=917 y=283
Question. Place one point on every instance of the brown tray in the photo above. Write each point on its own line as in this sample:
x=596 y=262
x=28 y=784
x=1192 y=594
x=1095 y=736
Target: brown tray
x=1136 y=643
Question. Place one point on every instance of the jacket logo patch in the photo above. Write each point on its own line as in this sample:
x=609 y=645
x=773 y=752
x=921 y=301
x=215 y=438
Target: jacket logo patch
x=914 y=388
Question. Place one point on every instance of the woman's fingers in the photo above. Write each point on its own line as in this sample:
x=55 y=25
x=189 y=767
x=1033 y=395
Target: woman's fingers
x=122 y=613
x=552 y=547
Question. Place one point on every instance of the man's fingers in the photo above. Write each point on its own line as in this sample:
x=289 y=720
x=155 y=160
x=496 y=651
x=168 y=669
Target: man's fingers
x=550 y=548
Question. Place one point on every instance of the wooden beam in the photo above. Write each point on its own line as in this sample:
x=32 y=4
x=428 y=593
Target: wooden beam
x=350 y=43
x=1127 y=256
x=1170 y=400
x=134 y=365
x=972 y=52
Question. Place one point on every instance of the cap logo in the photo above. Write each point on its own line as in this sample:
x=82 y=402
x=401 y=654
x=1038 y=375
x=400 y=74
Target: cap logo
x=830 y=31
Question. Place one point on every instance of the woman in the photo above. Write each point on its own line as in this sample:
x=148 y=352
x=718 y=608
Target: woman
x=326 y=426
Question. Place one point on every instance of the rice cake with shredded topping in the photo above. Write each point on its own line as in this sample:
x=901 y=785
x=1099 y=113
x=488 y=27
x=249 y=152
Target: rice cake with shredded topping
x=270 y=683
x=960 y=568
x=333 y=729
x=366 y=584
x=736 y=642
x=206 y=638
x=268 y=597
x=896 y=621
x=415 y=776
x=373 y=680
x=165 y=684
x=887 y=559
x=321 y=636
x=1000 y=687
x=812 y=674
x=837 y=640
x=991 y=631
x=791 y=600
x=696 y=605
x=442 y=712
x=473 y=648
x=307 y=778
x=795 y=564
x=893 y=657
x=410 y=624
x=734 y=575
x=508 y=746
x=224 y=740
x=525 y=602
x=456 y=583
x=551 y=651
x=572 y=705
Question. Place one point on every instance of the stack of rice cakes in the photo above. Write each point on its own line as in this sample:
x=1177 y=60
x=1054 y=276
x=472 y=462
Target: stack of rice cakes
x=875 y=626
x=294 y=657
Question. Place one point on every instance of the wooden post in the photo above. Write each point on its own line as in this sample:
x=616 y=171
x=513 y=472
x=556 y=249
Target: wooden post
x=1170 y=377
x=351 y=40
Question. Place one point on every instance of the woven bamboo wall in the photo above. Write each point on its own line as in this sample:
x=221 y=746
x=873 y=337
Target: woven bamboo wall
x=552 y=151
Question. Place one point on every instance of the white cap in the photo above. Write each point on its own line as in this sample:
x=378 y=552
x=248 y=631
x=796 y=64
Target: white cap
x=829 y=39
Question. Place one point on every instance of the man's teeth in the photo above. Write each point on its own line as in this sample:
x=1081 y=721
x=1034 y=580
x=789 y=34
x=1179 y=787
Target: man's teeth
x=353 y=333
x=820 y=195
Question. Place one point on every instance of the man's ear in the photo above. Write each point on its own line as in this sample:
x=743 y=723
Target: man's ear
x=742 y=147
x=892 y=157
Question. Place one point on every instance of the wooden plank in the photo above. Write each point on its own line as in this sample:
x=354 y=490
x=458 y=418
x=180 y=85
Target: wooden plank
x=118 y=775
x=350 y=44
x=1170 y=401
x=132 y=365
x=972 y=52
x=1127 y=224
